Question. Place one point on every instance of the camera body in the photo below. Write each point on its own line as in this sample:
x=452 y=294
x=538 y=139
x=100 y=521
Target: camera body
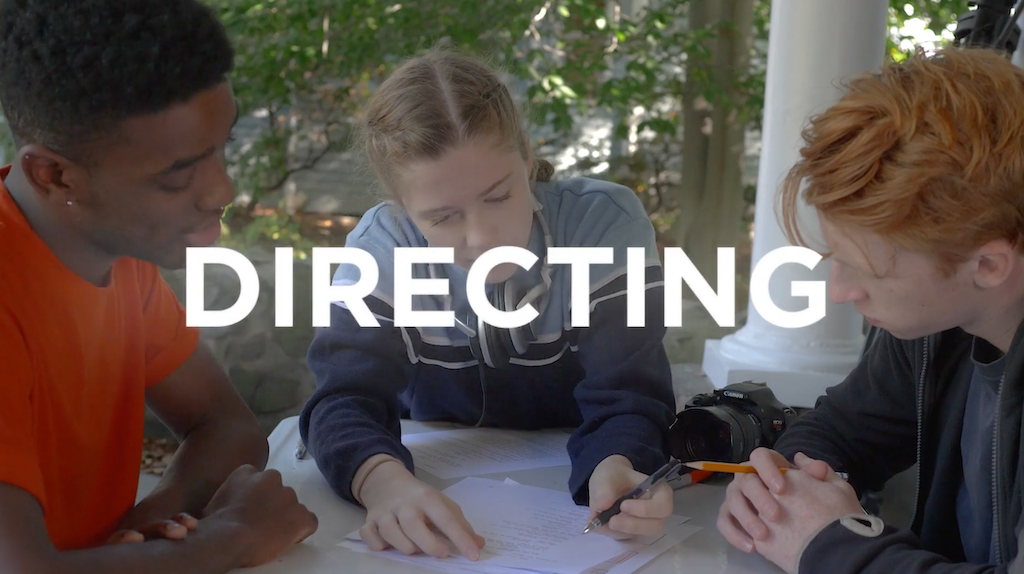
x=991 y=24
x=728 y=424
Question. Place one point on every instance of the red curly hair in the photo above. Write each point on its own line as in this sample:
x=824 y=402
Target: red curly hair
x=928 y=153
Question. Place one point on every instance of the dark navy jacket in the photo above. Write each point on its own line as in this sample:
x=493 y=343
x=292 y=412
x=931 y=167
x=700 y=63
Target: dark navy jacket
x=904 y=403
x=609 y=382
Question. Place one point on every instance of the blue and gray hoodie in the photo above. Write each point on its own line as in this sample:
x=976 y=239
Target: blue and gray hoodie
x=610 y=382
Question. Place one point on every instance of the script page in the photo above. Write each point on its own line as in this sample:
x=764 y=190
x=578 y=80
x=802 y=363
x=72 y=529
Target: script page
x=538 y=530
x=468 y=452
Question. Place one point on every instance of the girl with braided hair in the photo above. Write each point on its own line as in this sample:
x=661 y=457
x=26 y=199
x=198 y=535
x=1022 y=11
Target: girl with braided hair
x=448 y=147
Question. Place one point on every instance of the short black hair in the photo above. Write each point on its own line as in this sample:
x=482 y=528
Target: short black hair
x=71 y=70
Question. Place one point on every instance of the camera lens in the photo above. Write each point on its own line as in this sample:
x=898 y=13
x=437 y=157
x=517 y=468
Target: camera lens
x=716 y=433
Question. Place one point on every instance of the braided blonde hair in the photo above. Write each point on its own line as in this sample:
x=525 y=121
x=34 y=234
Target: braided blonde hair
x=437 y=102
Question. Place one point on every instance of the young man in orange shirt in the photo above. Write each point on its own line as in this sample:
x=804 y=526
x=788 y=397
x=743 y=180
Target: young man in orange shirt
x=120 y=111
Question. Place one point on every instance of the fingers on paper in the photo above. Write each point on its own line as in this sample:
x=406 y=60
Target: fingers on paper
x=372 y=537
x=414 y=525
x=453 y=524
x=391 y=531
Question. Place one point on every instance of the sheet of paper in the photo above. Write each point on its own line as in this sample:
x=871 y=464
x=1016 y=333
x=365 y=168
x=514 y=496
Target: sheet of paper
x=538 y=530
x=636 y=557
x=632 y=560
x=468 y=452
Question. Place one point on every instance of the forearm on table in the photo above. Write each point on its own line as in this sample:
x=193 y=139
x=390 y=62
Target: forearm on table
x=211 y=549
x=206 y=457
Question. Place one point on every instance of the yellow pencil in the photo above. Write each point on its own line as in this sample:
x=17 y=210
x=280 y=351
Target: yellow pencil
x=725 y=467
x=740 y=468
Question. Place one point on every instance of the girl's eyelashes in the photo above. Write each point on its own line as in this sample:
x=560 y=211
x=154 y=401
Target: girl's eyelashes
x=439 y=220
x=507 y=195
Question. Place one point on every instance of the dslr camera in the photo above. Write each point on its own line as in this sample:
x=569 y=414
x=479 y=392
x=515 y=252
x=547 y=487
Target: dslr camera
x=728 y=424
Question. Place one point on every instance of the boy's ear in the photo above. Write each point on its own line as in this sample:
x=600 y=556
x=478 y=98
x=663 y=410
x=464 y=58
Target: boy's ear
x=52 y=176
x=993 y=264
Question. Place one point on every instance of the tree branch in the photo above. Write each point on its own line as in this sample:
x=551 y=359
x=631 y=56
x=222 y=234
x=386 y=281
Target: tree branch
x=272 y=118
x=310 y=161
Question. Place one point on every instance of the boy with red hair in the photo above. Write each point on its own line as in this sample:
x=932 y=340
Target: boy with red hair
x=917 y=176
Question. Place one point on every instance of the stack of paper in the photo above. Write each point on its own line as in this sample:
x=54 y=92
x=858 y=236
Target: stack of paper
x=473 y=451
x=536 y=530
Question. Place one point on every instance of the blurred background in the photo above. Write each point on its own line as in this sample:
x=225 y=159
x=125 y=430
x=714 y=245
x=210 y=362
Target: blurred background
x=663 y=96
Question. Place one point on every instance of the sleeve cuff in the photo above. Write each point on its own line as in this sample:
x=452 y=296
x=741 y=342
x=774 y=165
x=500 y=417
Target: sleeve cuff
x=341 y=474
x=361 y=474
x=171 y=358
x=633 y=436
x=840 y=545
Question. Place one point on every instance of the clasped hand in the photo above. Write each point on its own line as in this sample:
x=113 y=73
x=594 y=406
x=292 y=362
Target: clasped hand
x=778 y=514
x=256 y=504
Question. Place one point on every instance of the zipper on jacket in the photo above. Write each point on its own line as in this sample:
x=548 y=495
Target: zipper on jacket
x=996 y=540
x=920 y=424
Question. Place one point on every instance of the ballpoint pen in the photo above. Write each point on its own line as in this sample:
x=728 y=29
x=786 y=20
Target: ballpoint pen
x=663 y=473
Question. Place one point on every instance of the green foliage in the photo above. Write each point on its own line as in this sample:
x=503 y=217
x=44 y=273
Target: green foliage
x=276 y=227
x=940 y=17
x=589 y=60
x=939 y=14
x=305 y=69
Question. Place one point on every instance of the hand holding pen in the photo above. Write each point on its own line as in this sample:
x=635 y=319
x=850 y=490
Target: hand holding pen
x=653 y=498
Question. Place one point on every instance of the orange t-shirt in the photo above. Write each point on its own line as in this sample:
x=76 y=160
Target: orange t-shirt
x=75 y=362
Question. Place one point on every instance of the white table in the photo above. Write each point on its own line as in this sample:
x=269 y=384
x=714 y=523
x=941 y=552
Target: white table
x=706 y=552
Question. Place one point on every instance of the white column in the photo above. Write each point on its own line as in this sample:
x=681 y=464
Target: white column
x=1018 y=55
x=813 y=44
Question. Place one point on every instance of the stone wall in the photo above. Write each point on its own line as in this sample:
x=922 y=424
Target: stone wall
x=266 y=364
